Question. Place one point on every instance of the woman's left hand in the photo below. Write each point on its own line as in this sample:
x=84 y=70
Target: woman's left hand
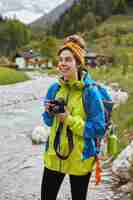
x=62 y=116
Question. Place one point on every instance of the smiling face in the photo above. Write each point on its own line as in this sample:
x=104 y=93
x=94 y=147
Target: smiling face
x=67 y=65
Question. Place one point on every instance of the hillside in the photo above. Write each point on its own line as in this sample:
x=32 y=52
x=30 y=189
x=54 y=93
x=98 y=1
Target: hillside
x=68 y=13
x=114 y=37
x=50 y=18
x=81 y=15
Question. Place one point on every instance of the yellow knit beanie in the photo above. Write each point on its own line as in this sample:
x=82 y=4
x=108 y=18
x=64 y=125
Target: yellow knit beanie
x=76 y=50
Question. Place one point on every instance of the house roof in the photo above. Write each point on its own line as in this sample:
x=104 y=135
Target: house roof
x=91 y=55
x=30 y=54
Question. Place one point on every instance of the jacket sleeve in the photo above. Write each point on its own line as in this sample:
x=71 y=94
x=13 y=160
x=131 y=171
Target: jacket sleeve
x=95 y=122
x=47 y=118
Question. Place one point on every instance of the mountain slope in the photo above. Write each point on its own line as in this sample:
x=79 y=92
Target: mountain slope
x=81 y=17
x=86 y=15
x=50 y=18
x=74 y=16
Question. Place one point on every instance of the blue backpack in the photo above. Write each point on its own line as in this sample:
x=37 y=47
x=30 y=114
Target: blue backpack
x=106 y=99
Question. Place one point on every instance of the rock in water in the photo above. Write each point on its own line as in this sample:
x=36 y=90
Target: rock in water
x=123 y=162
x=122 y=169
x=40 y=134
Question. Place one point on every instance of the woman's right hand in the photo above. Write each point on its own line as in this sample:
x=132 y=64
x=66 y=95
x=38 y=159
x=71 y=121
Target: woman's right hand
x=46 y=107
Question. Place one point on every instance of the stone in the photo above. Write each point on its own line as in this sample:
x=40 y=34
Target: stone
x=40 y=134
x=115 y=86
x=118 y=96
x=122 y=165
x=122 y=170
x=127 y=188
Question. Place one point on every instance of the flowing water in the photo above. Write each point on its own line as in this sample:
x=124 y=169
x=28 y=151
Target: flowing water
x=21 y=162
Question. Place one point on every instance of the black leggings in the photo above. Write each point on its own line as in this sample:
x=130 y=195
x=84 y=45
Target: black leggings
x=52 y=180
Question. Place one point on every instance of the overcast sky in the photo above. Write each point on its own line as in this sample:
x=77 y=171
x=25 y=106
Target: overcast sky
x=27 y=10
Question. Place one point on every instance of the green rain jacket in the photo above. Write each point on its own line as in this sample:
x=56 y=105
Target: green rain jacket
x=80 y=125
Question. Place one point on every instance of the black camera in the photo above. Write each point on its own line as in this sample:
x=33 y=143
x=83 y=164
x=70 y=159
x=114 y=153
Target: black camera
x=56 y=106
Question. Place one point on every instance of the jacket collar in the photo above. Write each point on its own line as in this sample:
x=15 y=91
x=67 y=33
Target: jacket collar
x=79 y=84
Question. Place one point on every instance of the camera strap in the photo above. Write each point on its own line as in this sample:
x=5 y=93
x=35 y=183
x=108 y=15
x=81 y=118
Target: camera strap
x=57 y=142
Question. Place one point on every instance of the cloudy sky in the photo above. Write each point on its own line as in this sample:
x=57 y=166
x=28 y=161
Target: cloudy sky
x=27 y=10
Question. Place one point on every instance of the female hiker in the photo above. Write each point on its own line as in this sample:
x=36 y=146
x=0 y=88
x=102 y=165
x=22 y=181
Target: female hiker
x=71 y=147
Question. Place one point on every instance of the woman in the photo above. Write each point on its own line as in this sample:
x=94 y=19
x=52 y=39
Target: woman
x=70 y=125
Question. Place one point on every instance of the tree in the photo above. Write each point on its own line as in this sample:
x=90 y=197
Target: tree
x=120 y=5
x=88 y=22
x=13 y=35
x=19 y=34
x=1 y=18
x=49 y=47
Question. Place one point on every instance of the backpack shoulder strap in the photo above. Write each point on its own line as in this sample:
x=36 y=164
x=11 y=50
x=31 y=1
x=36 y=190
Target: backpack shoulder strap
x=85 y=95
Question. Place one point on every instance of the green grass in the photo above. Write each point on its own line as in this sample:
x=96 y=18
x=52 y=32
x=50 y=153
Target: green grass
x=122 y=115
x=114 y=24
x=114 y=37
x=11 y=76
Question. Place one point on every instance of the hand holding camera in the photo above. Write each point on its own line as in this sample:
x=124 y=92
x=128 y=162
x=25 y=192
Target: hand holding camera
x=58 y=108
